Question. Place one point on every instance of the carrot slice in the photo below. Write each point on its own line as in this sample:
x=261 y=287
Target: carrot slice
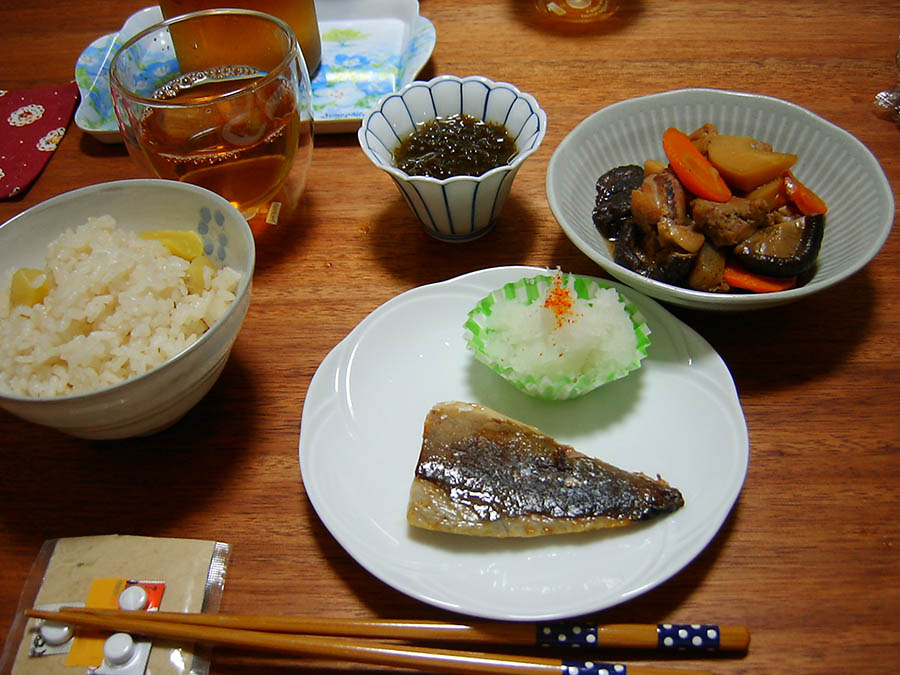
x=804 y=199
x=738 y=277
x=693 y=169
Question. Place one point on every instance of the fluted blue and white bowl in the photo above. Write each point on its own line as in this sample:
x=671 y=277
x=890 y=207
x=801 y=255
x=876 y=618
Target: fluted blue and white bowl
x=460 y=208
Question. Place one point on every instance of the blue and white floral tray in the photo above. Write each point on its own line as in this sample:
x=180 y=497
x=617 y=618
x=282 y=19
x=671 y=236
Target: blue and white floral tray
x=369 y=48
x=381 y=48
x=95 y=111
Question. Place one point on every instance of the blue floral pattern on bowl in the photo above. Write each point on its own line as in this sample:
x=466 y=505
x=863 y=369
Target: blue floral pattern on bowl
x=211 y=229
x=361 y=62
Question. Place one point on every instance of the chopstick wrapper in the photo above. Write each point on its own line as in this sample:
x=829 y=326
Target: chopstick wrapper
x=188 y=575
x=32 y=123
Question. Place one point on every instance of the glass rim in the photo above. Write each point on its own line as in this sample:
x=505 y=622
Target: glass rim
x=293 y=52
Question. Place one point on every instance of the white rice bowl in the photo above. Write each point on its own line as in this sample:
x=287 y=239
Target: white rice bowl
x=150 y=398
x=118 y=306
x=596 y=339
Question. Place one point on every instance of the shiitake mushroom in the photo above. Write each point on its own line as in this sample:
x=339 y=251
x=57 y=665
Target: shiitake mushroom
x=613 y=200
x=641 y=253
x=783 y=249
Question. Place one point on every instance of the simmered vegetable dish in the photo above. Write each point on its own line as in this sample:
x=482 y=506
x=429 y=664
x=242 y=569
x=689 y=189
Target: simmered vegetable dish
x=725 y=214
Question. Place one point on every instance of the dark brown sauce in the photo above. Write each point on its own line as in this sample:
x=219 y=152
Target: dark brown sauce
x=457 y=145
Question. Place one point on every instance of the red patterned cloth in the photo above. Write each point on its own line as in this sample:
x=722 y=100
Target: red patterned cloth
x=32 y=123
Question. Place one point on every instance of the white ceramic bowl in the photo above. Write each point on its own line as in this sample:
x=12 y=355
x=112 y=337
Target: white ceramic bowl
x=460 y=208
x=831 y=162
x=157 y=399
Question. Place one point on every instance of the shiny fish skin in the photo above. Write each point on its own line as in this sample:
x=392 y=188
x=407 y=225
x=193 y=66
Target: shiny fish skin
x=482 y=473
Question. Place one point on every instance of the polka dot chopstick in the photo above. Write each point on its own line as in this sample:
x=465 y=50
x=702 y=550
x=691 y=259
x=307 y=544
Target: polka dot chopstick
x=692 y=637
x=332 y=638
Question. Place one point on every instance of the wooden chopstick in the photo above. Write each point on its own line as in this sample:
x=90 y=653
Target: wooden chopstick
x=683 y=637
x=342 y=648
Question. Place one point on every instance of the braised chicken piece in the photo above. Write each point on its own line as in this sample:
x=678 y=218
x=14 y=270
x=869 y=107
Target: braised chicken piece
x=729 y=223
x=661 y=205
x=701 y=136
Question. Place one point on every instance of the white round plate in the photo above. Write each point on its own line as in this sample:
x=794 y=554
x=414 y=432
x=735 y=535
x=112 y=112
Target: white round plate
x=832 y=162
x=678 y=416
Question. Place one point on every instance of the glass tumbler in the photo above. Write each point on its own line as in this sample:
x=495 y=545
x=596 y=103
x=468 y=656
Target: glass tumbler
x=577 y=11
x=300 y=15
x=219 y=98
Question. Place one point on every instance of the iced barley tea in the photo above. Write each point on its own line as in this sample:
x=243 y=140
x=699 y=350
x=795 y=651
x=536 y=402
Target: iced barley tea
x=241 y=148
x=300 y=15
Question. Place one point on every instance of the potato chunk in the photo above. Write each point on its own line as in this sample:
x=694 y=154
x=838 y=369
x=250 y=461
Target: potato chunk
x=772 y=193
x=745 y=163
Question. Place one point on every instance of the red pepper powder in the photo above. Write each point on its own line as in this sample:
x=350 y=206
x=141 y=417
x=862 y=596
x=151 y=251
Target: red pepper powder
x=559 y=300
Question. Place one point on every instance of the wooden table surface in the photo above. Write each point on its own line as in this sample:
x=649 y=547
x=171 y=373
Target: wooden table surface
x=808 y=558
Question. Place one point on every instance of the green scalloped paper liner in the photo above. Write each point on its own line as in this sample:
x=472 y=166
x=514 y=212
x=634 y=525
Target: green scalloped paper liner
x=526 y=291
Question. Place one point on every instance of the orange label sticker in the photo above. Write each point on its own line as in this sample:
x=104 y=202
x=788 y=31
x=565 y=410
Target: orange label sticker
x=87 y=647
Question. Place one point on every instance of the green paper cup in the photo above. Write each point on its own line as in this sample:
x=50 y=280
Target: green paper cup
x=538 y=376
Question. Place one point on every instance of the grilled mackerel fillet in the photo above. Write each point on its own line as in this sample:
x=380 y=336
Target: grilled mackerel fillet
x=484 y=474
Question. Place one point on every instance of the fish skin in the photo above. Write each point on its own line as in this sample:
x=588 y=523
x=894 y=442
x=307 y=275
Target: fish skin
x=485 y=474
